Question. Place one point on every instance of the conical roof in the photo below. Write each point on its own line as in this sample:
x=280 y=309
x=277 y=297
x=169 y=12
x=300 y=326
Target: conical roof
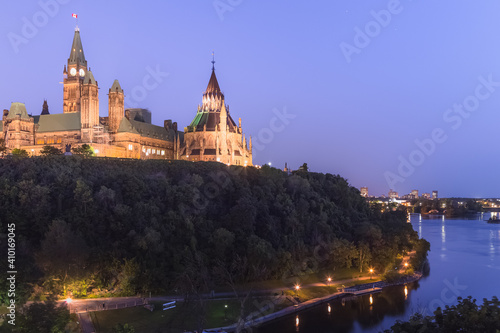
x=116 y=87
x=213 y=85
x=89 y=78
x=77 y=55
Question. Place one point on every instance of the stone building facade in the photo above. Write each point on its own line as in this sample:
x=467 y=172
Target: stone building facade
x=124 y=133
x=213 y=135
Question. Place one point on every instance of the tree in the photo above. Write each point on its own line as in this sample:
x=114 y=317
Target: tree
x=84 y=150
x=50 y=150
x=46 y=317
x=123 y=328
x=3 y=148
x=63 y=252
x=19 y=152
x=466 y=316
x=304 y=167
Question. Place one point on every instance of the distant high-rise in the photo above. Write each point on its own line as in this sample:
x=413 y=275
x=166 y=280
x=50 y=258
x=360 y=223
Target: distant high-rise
x=393 y=194
x=434 y=194
x=426 y=195
x=364 y=192
x=415 y=194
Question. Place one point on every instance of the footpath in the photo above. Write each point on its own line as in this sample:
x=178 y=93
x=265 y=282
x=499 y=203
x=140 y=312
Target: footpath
x=83 y=307
x=248 y=323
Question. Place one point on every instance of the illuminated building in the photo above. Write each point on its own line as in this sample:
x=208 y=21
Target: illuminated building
x=212 y=136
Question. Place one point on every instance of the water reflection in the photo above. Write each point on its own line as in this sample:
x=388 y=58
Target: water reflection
x=352 y=313
x=492 y=244
x=443 y=235
x=470 y=260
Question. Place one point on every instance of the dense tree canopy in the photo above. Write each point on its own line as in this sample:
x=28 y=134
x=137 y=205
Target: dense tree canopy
x=128 y=226
x=466 y=316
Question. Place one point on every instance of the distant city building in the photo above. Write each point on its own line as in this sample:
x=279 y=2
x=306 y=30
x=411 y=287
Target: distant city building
x=393 y=194
x=287 y=170
x=364 y=192
x=426 y=195
x=434 y=194
x=415 y=194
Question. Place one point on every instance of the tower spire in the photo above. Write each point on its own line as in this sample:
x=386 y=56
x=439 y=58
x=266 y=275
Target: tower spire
x=213 y=61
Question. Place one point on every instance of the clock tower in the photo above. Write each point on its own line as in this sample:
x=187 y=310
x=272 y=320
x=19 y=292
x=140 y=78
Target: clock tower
x=74 y=75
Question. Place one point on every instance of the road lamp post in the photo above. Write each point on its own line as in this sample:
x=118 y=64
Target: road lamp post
x=297 y=287
x=371 y=273
x=68 y=301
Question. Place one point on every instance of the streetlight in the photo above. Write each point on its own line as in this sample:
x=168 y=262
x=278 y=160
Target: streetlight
x=225 y=312
x=329 y=280
x=406 y=264
x=68 y=301
x=371 y=273
x=297 y=287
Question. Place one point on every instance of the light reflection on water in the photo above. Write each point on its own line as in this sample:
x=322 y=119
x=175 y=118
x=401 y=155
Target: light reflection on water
x=463 y=252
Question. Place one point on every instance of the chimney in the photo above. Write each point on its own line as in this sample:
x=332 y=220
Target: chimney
x=167 y=124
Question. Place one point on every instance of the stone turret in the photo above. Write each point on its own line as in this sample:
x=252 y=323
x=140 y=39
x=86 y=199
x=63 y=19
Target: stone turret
x=116 y=106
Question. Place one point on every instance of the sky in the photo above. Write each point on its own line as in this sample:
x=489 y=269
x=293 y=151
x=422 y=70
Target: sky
x=388 y=94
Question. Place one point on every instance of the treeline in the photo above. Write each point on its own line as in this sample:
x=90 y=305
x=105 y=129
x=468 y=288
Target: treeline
x=453 y=207
x=466 y=316
x=88 y=225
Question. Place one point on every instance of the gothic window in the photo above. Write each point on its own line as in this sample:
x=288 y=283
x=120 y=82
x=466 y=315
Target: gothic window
x=131 y=147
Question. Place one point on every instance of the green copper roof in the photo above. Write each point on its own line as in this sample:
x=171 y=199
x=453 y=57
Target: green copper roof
x=198 y=119
x=89 y=78
x=145 y=129
x=77 y=55
x=116 y=87
x=152 y=131
x=126 y=126
x=59 y=122
x=18 y=109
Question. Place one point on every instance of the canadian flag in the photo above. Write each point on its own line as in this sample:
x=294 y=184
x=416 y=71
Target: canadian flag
x=75 y=16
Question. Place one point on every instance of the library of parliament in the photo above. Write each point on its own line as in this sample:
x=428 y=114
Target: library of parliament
x=213 y=135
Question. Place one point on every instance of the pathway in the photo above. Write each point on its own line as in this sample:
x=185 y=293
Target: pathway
x=86 y=324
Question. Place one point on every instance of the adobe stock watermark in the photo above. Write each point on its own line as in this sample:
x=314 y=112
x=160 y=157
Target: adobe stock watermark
x=277 y=124
x=223 y=6
x=453 y=116
x=150 y=82
x=449 y=295
x=31 y=26
x=372 y=29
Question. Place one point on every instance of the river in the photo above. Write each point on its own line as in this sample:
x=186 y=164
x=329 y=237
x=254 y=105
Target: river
x=464 y=260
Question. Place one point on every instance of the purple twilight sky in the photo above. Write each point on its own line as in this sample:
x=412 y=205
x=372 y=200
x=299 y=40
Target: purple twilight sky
x=389 y=94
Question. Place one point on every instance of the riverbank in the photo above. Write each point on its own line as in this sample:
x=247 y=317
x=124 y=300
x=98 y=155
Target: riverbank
x=250 y=321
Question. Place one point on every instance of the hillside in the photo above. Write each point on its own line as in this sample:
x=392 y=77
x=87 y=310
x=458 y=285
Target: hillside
x=127 y=226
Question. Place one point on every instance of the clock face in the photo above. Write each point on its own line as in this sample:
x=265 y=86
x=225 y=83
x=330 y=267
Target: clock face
x=72 y=71
x=82 y=73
